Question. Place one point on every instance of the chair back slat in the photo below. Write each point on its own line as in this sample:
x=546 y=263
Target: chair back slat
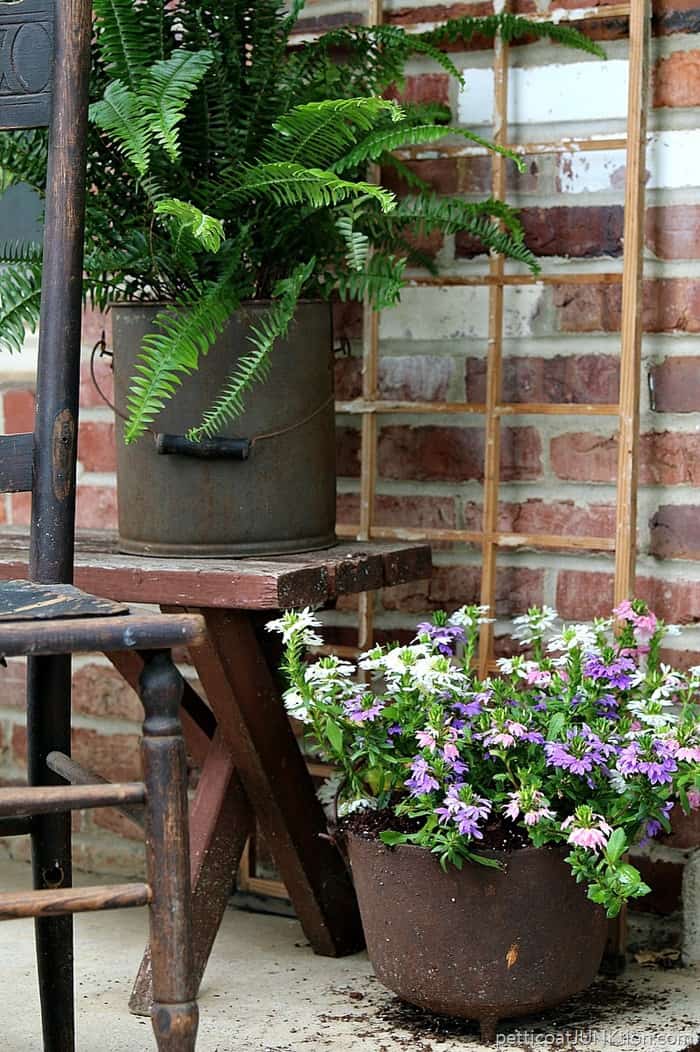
x=26 y=63
x=16 y=463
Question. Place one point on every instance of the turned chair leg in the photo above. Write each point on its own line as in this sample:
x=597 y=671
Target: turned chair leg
x=48 y=728
x=174 y=1013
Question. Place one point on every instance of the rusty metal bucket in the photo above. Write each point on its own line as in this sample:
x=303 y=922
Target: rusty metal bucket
x=478 y=943
x=282 y=497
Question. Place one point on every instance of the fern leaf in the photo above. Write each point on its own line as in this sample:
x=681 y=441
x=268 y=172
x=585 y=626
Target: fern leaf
x=120 y=116
x=207 y=230
x=386 y=140
x=511 y=27
x=254 y=367
x=121 y=41
x=317 y=133
x=165 y=91
x=20 y=252
x=380 y=282
x=20 y=299
x=293 y=184
x=357 y=246
x=174 y=350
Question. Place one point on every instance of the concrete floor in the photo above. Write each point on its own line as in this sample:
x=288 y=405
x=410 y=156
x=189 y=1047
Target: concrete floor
x=265 y=991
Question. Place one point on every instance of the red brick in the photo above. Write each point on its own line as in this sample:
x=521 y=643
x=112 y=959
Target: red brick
x=454 y=454
x=96 y=507
x=347 y=446
x=677 y=79
x=347 y=321
x=538 y=516
x=14 y=684
x=579 y=233
x=405 y=378
x=18 y=737
x=461 y=175
x=99 y=690
x=410 y=511
x=669 y=305
x=675 y=532
x=114 y=756
x=18 y=407
x=20 y=508
x=665 y=880
x=676 y=385
x=89 y=395
x=95 y=323
x=3 y=511
x=585 y=594
x=673 y=231
x=96 y=446
x=592 y=378
x=425 y=87
x=667 y=458
x=517 y=588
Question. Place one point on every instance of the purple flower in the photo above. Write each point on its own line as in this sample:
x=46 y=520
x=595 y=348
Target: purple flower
x=582 y=751
x=615 y=674
x=422 y=779
x=363 y=708
x=465 y=809
x=444 y=637
x=654 y=826
x=471 y=708
x=394 y=730
x=656 y=761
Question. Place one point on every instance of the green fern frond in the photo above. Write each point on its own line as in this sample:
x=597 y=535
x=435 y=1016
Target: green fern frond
x=511 y=27
x=429 y=212
x=405 y=173
x=317 y=133
x=174 y=350
x=386 y=140
x=293 y=184
x=165 y=91
x=20 y=300
x=380 y=282
x=207 y=230
x=121 y=41
x=20 y=252
x=23 y=158
x=295 y=9
x=119 y=115
x=357 y=245
x=254 y=367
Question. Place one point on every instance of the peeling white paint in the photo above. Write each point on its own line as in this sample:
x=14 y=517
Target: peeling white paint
x=457 y=313
x=673 y=162
x=576 y=91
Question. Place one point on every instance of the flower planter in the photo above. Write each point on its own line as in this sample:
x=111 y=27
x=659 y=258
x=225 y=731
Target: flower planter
x=478 y=943
x=185 y=505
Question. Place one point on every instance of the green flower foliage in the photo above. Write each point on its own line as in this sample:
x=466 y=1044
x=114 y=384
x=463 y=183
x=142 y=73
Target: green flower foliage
x=225 y=166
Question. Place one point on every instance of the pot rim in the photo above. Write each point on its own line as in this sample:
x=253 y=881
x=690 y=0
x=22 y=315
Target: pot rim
x=530 y=849
x=266 y=301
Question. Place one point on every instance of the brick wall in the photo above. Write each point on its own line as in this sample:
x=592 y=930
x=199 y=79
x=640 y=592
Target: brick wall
x=561 y=345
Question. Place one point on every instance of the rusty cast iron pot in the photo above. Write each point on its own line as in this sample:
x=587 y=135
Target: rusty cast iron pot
x=479 y=943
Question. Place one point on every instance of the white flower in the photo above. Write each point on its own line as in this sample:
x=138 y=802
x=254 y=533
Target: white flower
x=296 y=706
x=360 y=803
x=297 y=623
x=534 y=624
x=468 y=616
x=507 y=666
x=402 y=659
x=371 y=659
x=327 y=670
x=435 y=674
x=572 y=637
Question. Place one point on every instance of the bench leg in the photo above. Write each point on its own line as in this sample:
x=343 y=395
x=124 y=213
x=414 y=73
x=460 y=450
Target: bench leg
x=174 y=1013
x=48 y=729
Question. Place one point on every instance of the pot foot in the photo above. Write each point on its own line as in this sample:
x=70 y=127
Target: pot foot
x=489 y=1026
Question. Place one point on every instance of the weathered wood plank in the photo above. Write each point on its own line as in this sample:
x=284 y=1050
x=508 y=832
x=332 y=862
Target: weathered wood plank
x=26 y=63
x=135 y=632
x=16 y=451
x=27 y=601
x=311 y=579
x=72 y=900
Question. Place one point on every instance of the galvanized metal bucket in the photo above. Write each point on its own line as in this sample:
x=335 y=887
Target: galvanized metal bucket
x=480 y=943
x=282 y=497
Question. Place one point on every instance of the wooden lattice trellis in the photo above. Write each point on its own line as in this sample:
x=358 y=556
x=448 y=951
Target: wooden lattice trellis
x=370 y=405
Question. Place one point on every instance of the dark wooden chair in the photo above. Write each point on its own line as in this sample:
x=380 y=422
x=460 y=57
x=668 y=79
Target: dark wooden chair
x=44 y=73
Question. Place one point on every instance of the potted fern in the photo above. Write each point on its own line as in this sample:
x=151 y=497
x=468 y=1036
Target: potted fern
x=229 y=206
